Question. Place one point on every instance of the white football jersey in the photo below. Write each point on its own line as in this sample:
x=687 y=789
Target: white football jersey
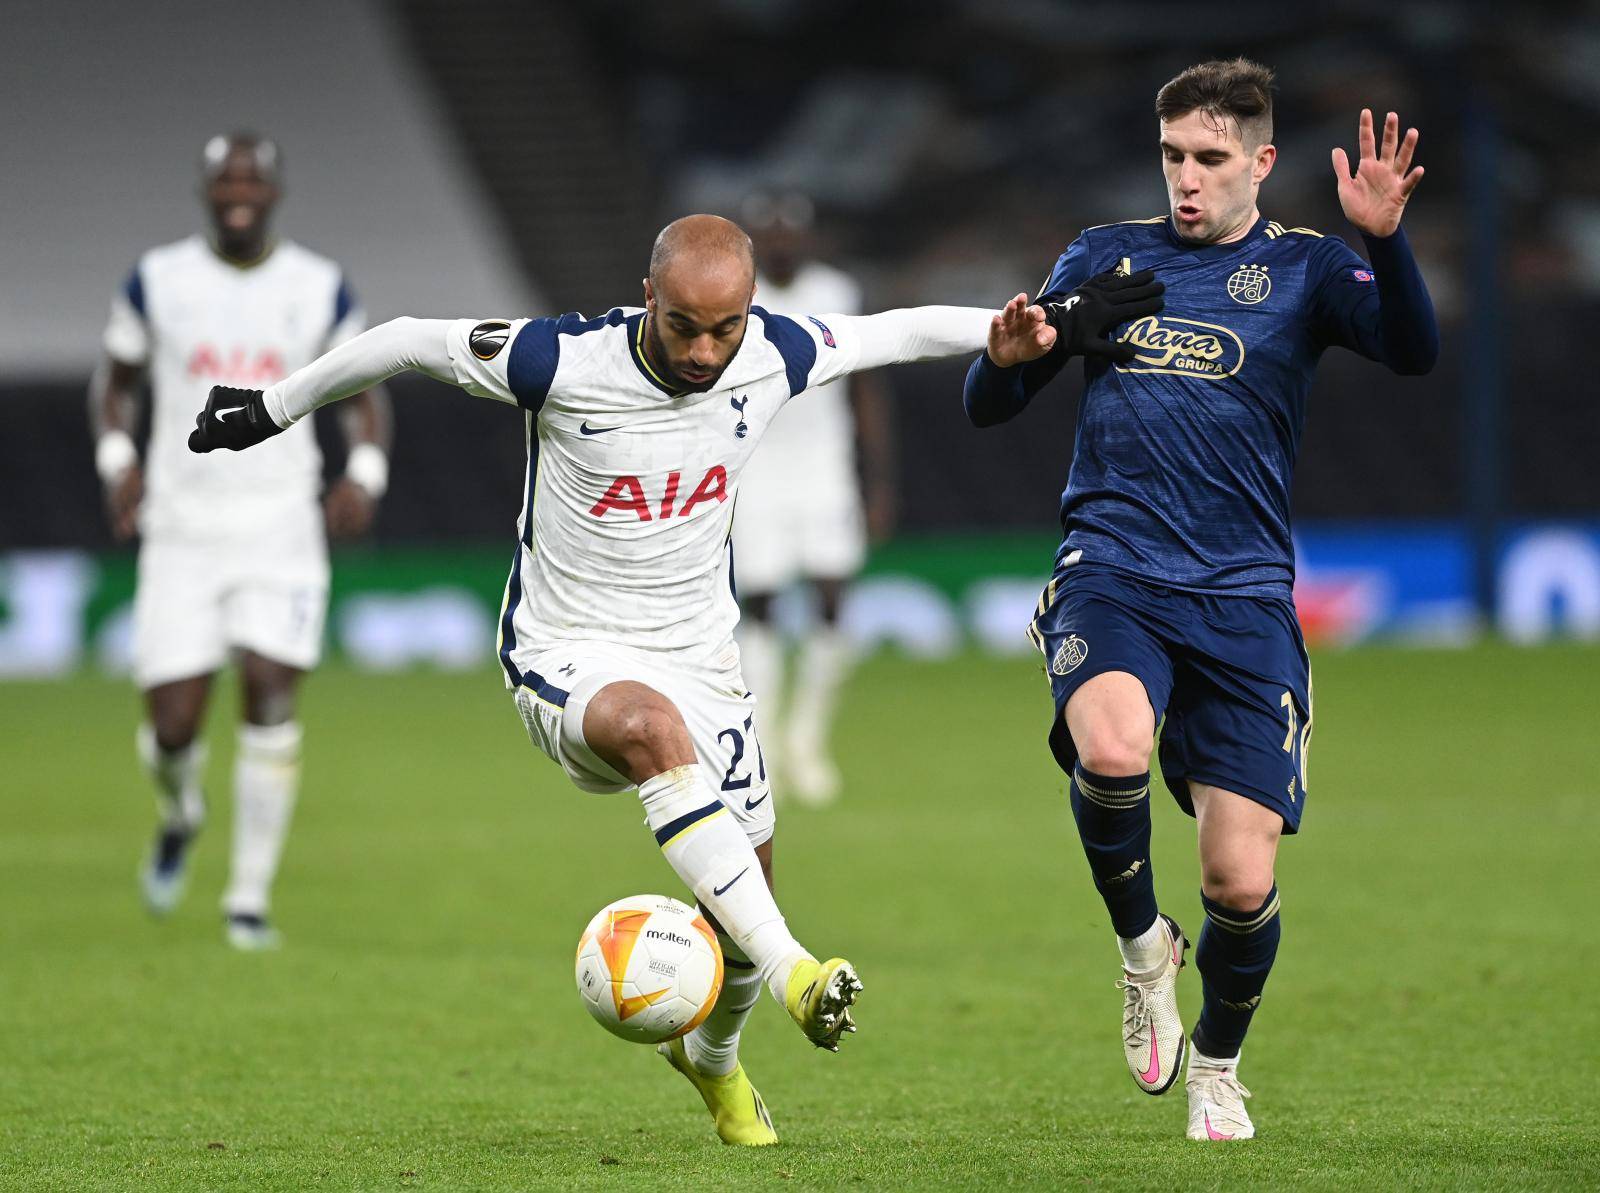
x=813 y=444
x=624 y=536
x=196 y=320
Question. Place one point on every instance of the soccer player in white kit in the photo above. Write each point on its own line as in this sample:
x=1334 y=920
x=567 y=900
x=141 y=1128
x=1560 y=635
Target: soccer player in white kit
x=233 y=556
x=617 y=630
x=803 y=515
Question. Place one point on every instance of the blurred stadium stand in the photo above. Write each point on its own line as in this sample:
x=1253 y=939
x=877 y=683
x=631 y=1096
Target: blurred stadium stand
x=107 y=107
x=479 y=158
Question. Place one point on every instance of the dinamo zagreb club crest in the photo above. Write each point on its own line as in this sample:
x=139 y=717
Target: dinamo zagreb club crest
x=1249 y=284
x=1071 y=655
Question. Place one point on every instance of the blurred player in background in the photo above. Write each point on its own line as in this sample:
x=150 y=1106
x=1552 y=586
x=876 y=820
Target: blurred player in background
x=801 y=513
x=1172 y=594
x=617 y=632
x=233 y=556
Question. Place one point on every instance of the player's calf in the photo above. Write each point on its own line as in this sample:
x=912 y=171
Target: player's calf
x=635 y=729
x=1113 y=818
x=181 y=806
x=1237 y=949
x=266 y=779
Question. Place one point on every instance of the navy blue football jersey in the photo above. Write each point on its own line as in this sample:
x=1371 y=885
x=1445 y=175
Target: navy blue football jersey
x=1184 y=458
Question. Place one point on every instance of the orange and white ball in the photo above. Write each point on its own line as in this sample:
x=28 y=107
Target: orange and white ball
x=649 y=968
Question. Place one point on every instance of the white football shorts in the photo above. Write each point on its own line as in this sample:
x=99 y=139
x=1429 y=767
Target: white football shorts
x=717 y=708
x=786 y=530
x=197 y=599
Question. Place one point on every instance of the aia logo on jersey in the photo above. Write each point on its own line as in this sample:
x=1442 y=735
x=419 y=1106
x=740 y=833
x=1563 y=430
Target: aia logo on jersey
x=245 y=368
x=626 y=495
x=827 y=335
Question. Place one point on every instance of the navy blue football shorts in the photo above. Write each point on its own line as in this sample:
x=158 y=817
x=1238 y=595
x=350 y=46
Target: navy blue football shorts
x=1228 y=674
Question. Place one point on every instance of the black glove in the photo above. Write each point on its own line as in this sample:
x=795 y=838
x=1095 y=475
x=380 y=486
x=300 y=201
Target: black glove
x=1106 y=300
x=234 y=419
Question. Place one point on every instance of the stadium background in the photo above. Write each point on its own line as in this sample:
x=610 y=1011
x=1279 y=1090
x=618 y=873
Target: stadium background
x=489 y=159
x=492 y=159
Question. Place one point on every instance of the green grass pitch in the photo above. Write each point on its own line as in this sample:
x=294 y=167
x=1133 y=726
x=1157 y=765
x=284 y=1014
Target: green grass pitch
x=1433 y=1020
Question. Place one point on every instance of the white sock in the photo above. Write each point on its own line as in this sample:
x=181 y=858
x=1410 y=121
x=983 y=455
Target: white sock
x=266 y=777
x=176 y=774
x=1142 y=953
x=1199 y=1060
x=705 y=846
x=713 y=1047
x=826 y=658
x=761 y=660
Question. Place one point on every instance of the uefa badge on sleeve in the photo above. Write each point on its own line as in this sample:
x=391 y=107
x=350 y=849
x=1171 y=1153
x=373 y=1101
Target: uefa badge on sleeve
x=1070 y=656
x=488 y=338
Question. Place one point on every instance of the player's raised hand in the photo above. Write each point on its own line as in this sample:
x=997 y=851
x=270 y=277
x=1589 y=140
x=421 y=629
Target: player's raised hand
x=1019 y=333
x=234 y=419
x=1375 y=196
x=1085 y=317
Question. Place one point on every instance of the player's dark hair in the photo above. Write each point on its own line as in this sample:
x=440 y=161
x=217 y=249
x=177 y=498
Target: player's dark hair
x=1224 y=88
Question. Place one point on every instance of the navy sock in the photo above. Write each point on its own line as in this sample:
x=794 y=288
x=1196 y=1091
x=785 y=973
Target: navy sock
x=1234 y=958
x=1113 y=818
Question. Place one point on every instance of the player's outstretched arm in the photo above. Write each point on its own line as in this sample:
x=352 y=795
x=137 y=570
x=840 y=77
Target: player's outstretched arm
x=1029 y=344
x=1385 y=313
x=905 y=335
x=239 y=418
x=1375 y=196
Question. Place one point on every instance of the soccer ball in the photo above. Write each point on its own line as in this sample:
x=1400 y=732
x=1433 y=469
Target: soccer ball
x=649 y=968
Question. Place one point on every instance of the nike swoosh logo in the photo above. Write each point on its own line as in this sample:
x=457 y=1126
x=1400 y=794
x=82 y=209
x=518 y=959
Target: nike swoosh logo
x=743 y=1009
x=222 y=415
x=720 y=890
x=588 y=430
x=752 y=805
x=1212 y=1132
x=1150 y=1075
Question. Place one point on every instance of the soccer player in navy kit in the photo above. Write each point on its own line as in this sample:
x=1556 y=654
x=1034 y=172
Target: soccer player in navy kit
x=1172 y=590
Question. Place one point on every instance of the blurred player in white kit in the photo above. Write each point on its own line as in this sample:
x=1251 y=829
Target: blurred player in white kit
x=803 y=516
x=233 y=556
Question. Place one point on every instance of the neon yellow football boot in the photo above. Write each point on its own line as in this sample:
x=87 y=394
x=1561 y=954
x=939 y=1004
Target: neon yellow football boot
x=819 y=996
x=741 y=1116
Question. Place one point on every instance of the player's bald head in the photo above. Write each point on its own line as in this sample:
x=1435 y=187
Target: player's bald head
x=701 y=251
x=702 y=278
x=241 y=149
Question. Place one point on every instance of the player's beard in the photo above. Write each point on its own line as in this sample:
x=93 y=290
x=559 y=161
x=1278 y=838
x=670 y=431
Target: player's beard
x=657 y=352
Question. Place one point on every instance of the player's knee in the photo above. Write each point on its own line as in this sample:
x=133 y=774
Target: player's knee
x=1237 y=888
x=269 y=704
x=830 y=601
x=174 y=733
x=652 y=738
x=1113 y=753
